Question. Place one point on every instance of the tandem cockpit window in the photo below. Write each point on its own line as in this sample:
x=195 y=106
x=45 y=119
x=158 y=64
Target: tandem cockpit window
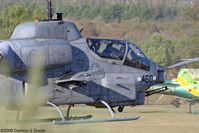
x=107 y=48
x=136 y=58
x=115 y=49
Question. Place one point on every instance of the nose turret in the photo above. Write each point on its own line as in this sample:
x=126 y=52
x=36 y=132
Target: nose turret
x=158 y=72
x=161 y=74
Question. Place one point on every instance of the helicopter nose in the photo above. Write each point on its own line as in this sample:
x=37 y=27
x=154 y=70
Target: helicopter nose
x=161 y=74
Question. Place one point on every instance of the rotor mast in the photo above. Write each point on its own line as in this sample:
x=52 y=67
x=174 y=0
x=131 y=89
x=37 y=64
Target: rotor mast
x=50 y=15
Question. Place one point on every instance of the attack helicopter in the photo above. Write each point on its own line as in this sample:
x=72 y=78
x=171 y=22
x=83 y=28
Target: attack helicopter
x=77 y=70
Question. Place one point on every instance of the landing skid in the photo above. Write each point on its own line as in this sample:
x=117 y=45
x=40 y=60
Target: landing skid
x=97 y=120
x=70 y=121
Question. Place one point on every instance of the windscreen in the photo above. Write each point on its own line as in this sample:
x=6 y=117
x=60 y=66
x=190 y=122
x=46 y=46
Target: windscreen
x=107 y=48
x=136 y=58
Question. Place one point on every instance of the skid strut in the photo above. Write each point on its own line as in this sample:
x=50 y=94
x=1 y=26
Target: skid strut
x=113 y=118
x=68 y=111
x=58 y=109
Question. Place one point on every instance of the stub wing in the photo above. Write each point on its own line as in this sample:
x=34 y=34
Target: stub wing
x=89 y=75
x=152 y=91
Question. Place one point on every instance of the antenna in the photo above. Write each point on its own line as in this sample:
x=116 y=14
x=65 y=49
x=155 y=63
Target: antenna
x=49 y=10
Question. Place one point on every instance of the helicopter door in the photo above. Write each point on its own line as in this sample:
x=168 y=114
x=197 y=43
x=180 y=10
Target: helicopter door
x=121 y=84
x=122 y=87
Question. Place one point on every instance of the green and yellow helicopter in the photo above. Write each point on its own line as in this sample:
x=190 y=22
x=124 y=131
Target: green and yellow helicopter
x=185 y=86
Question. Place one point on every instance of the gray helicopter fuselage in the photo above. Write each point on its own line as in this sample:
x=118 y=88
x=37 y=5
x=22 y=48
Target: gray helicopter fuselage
x=78 y=70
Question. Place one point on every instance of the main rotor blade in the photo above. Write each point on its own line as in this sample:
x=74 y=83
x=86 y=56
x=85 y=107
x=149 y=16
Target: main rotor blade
x=186 y=61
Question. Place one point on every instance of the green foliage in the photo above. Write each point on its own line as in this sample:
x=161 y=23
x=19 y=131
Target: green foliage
x=84 y=10
x=13 y=15
x=182 y=48
x=194 y=46
x=160 y=49
x=168 y=51
x=117 y=11
x=110 y=11
x=193 y=12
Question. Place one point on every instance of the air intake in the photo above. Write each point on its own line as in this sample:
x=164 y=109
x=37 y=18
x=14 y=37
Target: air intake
x=59 y=16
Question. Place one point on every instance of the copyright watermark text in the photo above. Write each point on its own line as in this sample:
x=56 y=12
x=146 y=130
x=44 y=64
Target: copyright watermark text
x=15 y=130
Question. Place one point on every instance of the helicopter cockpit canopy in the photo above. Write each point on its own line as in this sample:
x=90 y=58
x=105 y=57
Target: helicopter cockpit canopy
x=121 y=50
x=136 y=57
x=107 y=48
x=47 y=30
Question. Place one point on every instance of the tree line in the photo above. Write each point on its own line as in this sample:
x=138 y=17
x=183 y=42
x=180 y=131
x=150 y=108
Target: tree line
x=119 y=11
x=109 y=11
x=12 y=15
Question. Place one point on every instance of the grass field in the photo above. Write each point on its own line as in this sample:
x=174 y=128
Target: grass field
x=153 y=119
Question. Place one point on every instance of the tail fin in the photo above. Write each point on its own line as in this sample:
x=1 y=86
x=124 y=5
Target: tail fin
x=190 y=75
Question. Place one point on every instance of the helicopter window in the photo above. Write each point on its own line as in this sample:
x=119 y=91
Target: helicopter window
x=111 y=49
x=136 y=58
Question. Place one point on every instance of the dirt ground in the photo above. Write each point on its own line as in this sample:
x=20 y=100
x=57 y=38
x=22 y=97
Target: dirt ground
x=153 y=119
